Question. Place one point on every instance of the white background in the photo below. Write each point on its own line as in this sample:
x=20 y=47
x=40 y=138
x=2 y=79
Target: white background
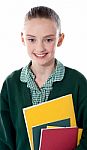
x=72 y=53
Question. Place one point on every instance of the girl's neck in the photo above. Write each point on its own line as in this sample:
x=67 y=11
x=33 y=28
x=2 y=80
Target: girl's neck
x=41 y=70
x=42 y=73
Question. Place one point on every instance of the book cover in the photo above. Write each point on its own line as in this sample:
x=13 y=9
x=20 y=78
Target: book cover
x=59 y=138
x=50 y=111
x=80 y=130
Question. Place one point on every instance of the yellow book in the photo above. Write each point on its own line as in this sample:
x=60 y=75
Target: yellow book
x=79 y=135
x=53 y=110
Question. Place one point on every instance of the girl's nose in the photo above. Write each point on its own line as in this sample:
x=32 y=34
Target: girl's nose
x=40 y=46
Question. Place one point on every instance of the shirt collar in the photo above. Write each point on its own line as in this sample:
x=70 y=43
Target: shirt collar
x=57 y=75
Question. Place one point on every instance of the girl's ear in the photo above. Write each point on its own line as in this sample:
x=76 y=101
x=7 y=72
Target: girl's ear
x=22 y=38
x=61 y=38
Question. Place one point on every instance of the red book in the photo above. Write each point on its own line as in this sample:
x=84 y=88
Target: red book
x=59 y=138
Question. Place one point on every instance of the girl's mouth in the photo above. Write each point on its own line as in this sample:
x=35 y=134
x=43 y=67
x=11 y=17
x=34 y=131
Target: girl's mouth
x=40 y=55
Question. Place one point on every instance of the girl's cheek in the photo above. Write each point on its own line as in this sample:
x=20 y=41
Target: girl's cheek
x=52 y=46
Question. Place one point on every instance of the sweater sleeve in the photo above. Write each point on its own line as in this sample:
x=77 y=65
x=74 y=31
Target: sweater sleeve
x=7 y=132
x=82 y=112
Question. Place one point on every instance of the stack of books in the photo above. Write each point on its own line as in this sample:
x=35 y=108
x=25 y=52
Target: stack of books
x=52 y=125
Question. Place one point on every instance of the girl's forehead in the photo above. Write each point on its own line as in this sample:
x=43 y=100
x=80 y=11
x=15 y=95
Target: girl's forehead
x=40 y=25
x=40 y=20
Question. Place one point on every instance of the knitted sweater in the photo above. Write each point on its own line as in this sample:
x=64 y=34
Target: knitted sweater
x=15 y=96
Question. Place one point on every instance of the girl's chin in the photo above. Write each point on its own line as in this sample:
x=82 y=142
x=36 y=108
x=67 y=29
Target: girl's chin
x=43 y=62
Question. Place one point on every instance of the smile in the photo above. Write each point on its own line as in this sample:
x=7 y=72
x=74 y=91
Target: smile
x=41 y=55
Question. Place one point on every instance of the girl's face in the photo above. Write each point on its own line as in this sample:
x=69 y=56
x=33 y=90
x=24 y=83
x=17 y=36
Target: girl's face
x=41 y=38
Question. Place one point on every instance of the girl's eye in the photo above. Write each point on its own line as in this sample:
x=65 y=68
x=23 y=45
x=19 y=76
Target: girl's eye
x=32 y=40
x=49 y=40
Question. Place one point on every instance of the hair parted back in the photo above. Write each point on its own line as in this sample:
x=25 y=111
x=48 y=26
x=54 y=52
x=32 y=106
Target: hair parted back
x=43 y=12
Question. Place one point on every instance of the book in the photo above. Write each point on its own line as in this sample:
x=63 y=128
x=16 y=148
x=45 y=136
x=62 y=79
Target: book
x=59 y=138
x=50 y=111
x=80 y=130
x=37 y=130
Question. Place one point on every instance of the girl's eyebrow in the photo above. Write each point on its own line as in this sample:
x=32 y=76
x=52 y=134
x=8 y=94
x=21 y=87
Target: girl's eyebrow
x=50 y=35
x=30 y=35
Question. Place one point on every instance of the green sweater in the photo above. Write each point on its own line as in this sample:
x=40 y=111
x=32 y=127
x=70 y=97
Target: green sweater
x=15 y=96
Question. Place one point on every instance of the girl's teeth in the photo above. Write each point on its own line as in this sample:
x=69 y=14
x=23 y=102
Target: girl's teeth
x=40 y=55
